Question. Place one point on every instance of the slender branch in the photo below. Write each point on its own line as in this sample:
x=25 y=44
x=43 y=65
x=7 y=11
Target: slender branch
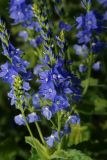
x=88 y=74
x=40 y=133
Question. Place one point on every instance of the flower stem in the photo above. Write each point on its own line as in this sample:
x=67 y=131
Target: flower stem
x=88 y=74
x=59 y=128
x=28 y=127
x=40 y=133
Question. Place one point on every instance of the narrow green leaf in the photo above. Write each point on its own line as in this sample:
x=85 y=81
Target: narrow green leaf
x=70 y=155
x=41 y=150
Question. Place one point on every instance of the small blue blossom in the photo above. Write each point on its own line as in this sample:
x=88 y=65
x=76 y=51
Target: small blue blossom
x=64 y=26
x=105 y=16
x=73 y=119
x=103 y=2
x=19 y=120
x=36 y=42
x=8 y=73
x=50 y=140
x=36 y=101
x=46 y=112
x=17 y=2
x=24 y=35
x=60 y=103
x=33 y=117
x=45 y=76
x=82 y=68
x=84 y=36
x=96 y=66
x=98 y=46
x=53 y=138
x=26 y=86
x=21 y=12
x=47 y=91
x=12 y=96
x=81 y=50
x=87 y=22
x=67 y=128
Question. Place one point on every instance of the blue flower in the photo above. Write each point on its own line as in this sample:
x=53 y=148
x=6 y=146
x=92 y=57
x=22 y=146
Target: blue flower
x=105 y=16
x=60 y=103
x=87 y=22
x=73 y=119
x=36 y=101
x=64 y=26
x=55 y=137
x=96 y=66
x=24 y=35
x=47 y=113
x=26 y=86
x=67 y=128
x=84 y=36
x=45 y=76
x=21 y=12
x=103 y=2
x=19 y=120
x=90 y=21
x=32 y=117
x=36 y=42
x=82 y=68
x=98 y=46
x=80 y=21
x=17 y=2
x=81 y=50
x=8 y=73
x=47 y=91
x=50 y=140
x=13 y=97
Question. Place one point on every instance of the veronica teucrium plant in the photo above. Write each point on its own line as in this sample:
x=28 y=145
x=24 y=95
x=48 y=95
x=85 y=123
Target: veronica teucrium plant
x=54 y=101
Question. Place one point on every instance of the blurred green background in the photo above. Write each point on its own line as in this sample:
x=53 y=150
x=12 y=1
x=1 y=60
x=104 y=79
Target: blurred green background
x=92 y=136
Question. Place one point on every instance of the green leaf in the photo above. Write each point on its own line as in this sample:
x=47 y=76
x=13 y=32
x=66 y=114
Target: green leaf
x=92 y=82
x=100 y=105
x=78 y=134
x=34 y=155
x=72 y=154
x=41 y=150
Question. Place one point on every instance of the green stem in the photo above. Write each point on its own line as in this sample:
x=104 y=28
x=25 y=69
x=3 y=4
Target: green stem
x=40 y=133
x=53 y=124
x=59 y=128
x=28 y=127
x=88 y=74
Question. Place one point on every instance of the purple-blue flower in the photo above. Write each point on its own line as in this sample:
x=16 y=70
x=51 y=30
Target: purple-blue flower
x=60 y=102
x=47 y=91
x=73 y=119
x=64 y=26
x=32 y=117
x=82 y=68
x=81 y=50
x=97 y=66
x=36 y=42
x=24 y=35
x=84 y=36
x=55 y=137
x=19 y=120
x=46 y=112
x=36 y=101
x=26 y=86
x=103 y=2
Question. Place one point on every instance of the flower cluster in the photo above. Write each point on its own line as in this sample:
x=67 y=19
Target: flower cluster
x=21 y=11
x=15 y=72
x=89 y=27
x=59 y=88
